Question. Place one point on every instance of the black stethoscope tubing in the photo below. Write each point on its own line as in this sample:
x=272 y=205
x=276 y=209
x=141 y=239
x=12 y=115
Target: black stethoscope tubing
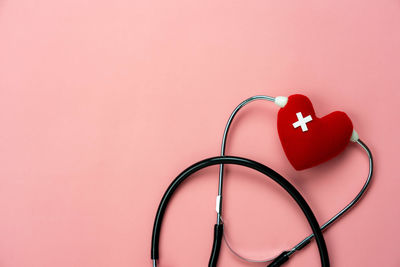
x=219 y=228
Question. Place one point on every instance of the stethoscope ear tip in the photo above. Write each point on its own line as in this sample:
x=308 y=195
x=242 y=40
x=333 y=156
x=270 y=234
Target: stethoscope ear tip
x=354 y=136
x=281 y=101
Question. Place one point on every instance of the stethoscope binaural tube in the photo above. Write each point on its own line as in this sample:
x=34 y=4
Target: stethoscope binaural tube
x=306 y=240
x=218 y=227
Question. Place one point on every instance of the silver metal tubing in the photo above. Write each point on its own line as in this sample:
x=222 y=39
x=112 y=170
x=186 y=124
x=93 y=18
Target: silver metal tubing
x=330 y=221
x=154 y=263
x=324 y=226
x=223 y=146
x=349 y=206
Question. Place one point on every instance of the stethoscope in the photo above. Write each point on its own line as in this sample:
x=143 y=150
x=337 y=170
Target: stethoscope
x=292 y=191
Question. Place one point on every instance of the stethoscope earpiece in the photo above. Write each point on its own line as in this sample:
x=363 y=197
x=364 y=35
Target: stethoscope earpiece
x=281 y=101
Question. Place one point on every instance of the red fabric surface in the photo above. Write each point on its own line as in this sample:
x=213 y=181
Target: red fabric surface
x=325 y=138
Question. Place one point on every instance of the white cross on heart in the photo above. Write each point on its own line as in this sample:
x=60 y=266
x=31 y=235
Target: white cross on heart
x=302 y=122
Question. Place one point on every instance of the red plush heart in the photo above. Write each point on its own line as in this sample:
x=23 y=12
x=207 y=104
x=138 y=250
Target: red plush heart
x=308 y=140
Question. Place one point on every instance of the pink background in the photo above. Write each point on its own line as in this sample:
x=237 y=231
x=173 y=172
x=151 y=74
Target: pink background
x=103 y=103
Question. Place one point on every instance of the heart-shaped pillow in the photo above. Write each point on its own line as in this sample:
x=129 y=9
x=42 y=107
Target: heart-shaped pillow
x=308 y=140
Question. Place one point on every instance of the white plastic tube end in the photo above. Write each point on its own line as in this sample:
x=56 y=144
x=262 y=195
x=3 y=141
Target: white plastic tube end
x=354 y=136
x=281 y=101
